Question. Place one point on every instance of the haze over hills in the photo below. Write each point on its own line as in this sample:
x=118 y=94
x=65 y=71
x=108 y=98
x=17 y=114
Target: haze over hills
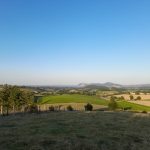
x=90 y=85
x=113 y=85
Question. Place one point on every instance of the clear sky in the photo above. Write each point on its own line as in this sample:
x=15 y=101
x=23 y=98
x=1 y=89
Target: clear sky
x=47 y=42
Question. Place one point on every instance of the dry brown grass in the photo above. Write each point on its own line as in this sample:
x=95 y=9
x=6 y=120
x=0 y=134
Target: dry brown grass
x=127 y=96
x=76 y=106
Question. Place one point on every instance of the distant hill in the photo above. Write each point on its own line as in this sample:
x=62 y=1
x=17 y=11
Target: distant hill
x=107 y=85
x=113 y=85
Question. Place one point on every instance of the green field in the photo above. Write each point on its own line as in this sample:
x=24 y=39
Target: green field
x=88 y=99
x=75 y=131
x=72 y=99
x=136 y=107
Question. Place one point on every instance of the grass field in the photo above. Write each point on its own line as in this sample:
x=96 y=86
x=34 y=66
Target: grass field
x=75 y=131
x=75 y=98
x=88 y=99
x=142 y=102
x=136 y=107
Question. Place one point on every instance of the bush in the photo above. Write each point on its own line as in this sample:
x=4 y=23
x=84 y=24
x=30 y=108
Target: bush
x=31 y=108
x=88 y=107
x=127 y=108
x=51 y=108
x=144 y=112
x=122 y=98
x=112 y=105
x=138 y=98
x=113 y=97
x=69 y=108
x=131 y=97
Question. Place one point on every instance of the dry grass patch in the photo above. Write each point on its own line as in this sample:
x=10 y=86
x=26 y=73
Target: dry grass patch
x=127 y=96
x=76 y=106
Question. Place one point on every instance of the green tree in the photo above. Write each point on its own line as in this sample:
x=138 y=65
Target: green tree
x=13 y=98
x=5 y=99
x=69 y=108
x=112 y=105
x=138 y=98
x=122 y=97
x=26 y=99
x=131 y=97
x=1 y=103
x=88 y=107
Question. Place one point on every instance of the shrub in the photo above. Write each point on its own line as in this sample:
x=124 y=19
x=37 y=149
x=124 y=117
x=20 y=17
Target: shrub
x=69 y=108
x=138 y=98
x=113 y=97
x=144 y=112
x=88 y=107
x=112 y=105
x=131 y=97
x=32 y=108
x=122 y=98
x=127 y=108
x=51 y=108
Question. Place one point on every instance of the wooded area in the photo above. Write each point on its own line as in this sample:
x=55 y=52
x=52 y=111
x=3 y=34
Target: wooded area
x=14 y=99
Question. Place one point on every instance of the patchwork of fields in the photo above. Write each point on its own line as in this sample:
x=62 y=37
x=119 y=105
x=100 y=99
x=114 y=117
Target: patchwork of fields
x=75 y=98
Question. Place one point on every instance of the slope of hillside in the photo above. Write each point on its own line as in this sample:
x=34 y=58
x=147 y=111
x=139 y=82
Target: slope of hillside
x=75 y=131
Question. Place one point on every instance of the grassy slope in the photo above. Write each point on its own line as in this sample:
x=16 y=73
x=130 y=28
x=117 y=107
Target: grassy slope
x=123 y=104
x=75 y=131
x=88 y=99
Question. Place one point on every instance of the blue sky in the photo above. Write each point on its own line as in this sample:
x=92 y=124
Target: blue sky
x=72 y=41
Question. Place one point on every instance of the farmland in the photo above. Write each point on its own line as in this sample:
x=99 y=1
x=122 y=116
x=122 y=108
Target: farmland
x=67 y=98
x=127 y=96
x=75 y=98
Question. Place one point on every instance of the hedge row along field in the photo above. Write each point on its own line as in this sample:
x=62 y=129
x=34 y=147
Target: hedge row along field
x=75 y=98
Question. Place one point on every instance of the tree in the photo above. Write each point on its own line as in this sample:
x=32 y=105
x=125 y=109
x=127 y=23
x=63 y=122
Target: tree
x=69 y=108
x=13 y=98
x=122 y=97
x=1 y=103
x=112 y=105
x=131 y=97
x=88 y=107
x=113 y=97
x=137 y=93
x=26 y=99
x=138 y=98
x=5 y=99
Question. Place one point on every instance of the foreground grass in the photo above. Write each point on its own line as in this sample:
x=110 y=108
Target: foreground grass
x=75 y=98
x=75 y=131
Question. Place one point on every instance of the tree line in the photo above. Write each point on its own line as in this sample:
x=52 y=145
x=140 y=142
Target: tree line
x=14 y=99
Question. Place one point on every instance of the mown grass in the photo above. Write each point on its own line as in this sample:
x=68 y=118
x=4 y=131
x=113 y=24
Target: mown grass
x=75 y=131
x=75 y=98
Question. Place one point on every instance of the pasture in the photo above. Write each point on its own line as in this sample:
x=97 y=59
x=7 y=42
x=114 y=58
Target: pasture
x=75 y=131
